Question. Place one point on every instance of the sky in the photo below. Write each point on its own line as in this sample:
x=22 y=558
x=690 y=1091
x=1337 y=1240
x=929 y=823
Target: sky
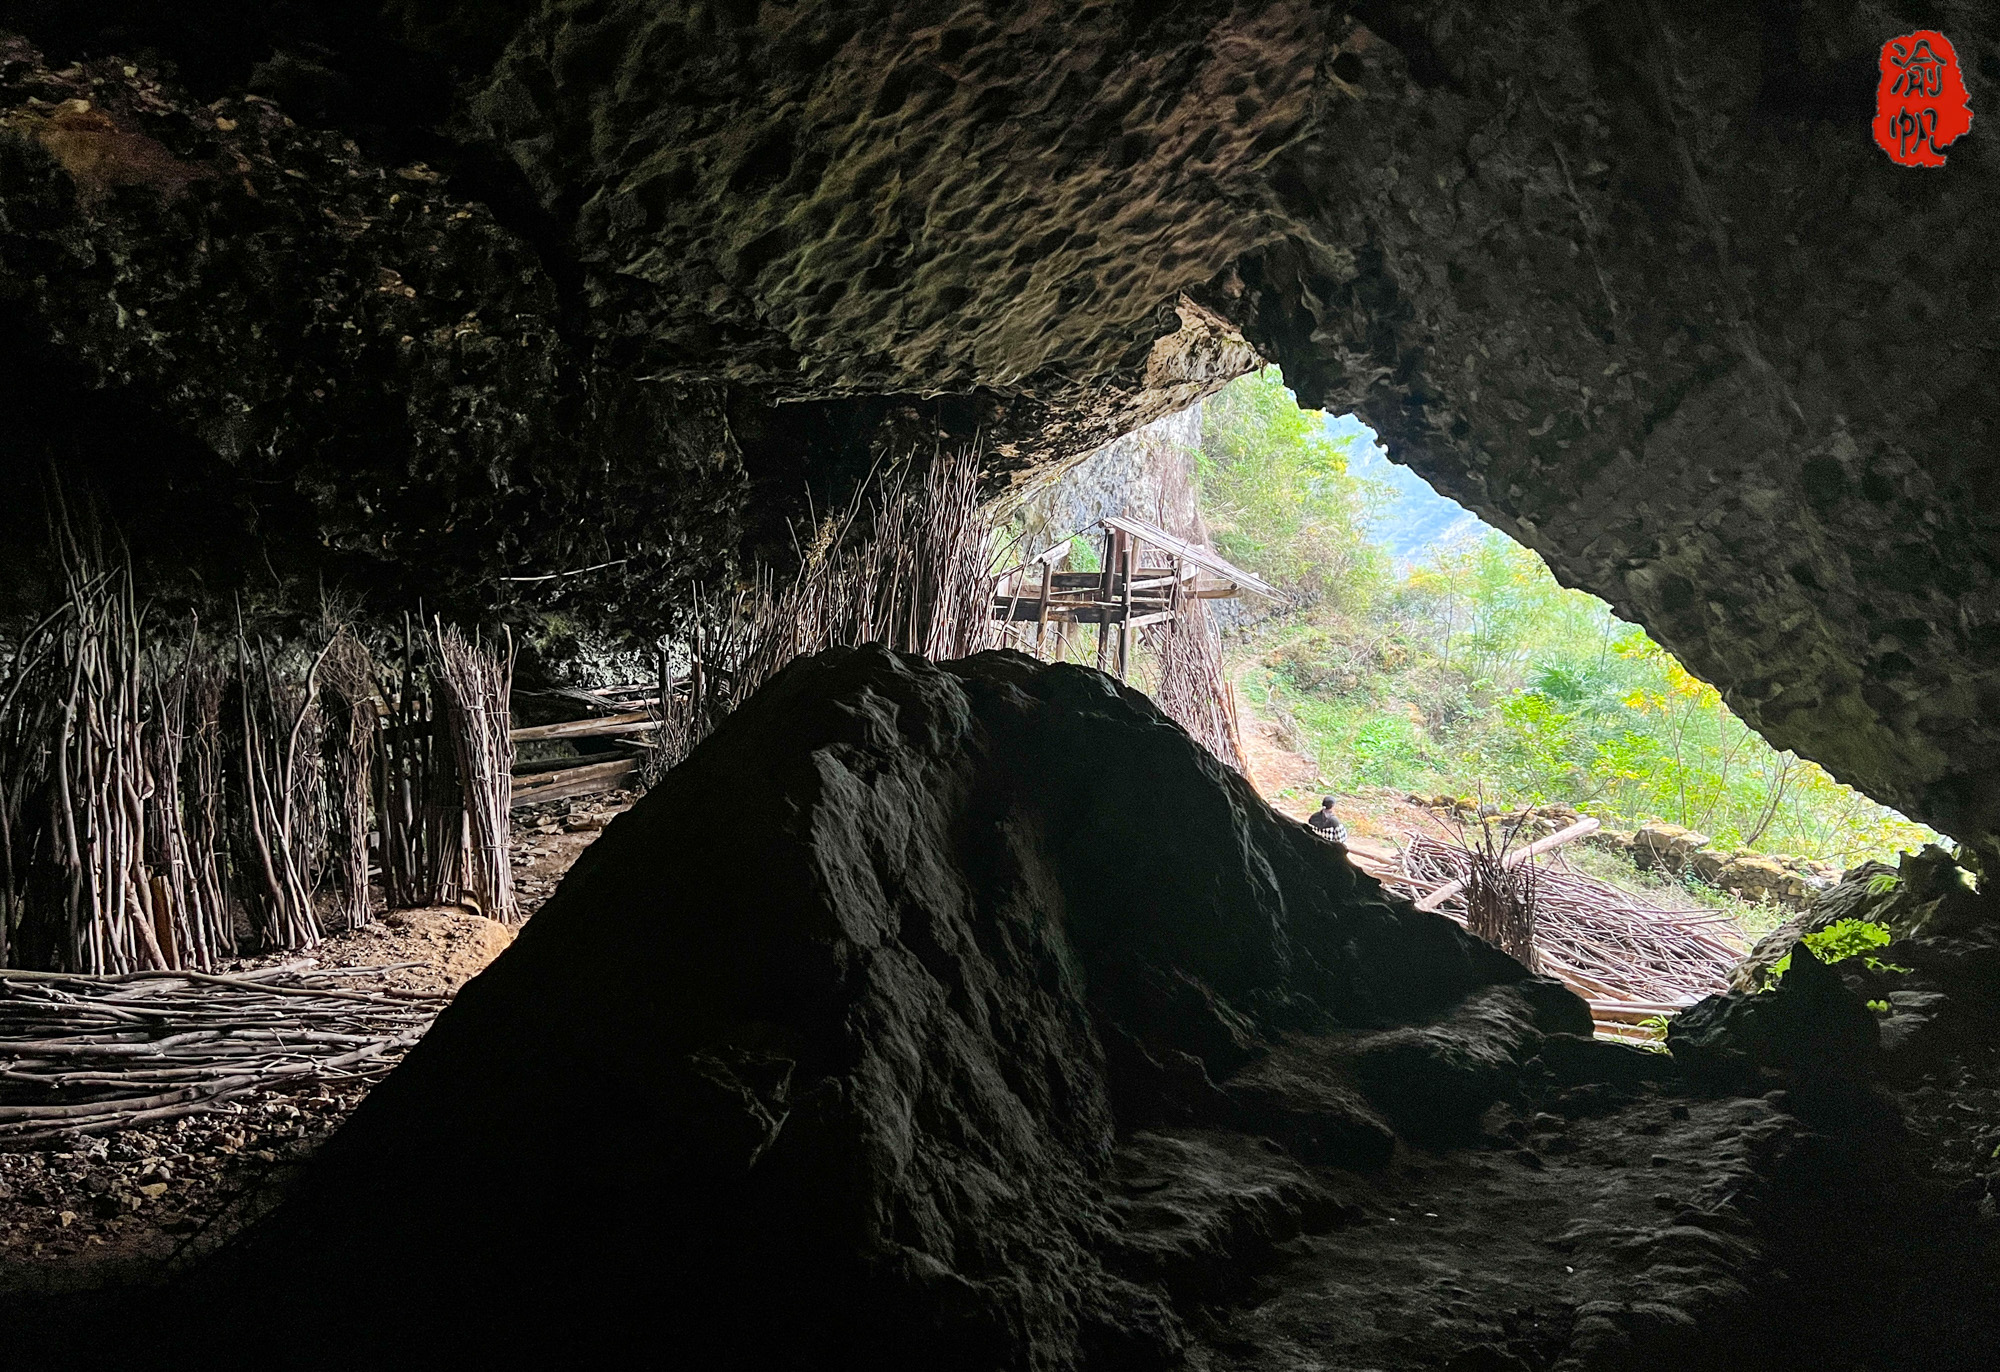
x=1416 y=519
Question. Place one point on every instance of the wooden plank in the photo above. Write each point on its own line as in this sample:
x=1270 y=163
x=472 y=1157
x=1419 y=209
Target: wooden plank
x=588 y=769
x=544 y=766
x=573 y=781
x=1166 y=542
x=586 y=728
x=1632 y=1012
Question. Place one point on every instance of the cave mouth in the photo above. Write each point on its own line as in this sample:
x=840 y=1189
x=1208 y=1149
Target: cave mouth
x=949 y=1008
x=1430 y=651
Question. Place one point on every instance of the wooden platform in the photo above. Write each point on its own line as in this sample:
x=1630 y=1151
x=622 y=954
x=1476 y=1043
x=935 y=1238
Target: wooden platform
x=1147 y=574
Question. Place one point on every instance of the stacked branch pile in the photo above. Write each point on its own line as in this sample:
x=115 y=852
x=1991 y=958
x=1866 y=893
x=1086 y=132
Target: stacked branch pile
x=88 y=1055
x=167 y=799
x=1631 y=960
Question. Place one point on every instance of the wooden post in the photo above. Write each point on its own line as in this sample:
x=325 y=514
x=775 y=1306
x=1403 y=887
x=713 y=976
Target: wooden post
x=1014 y=603
x=1125 y=617
x=1042 y=613
x=1106 y=570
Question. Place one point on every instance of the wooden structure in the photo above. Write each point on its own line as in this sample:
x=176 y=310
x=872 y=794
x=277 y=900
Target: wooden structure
x=1145 y=577
x=613 y=715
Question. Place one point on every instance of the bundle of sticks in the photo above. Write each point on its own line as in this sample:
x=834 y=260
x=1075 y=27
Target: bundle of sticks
x=110 y=749
x=418 y=797
x=1191 y=686
x=476 y=683
x=907 y=565
x=1628 y=958
x=88 y=1055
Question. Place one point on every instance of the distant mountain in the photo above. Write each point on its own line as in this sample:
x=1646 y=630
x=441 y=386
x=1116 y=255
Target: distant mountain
x=1417 y=520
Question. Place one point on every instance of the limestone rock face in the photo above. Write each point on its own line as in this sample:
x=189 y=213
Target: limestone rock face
x=836 y=1043
x=1631 y=282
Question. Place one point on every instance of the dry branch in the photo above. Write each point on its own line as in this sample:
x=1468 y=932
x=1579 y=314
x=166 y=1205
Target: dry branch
x=283 y=819
x=88 y=1055
x=1607 y=944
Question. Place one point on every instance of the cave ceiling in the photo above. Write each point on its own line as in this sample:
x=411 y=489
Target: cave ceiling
x=418 y=295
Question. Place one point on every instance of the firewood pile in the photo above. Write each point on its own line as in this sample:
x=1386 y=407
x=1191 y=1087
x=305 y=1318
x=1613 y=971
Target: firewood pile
x=166 y=793
x=89 y=1055
x=477 y=683
x=1631 y=960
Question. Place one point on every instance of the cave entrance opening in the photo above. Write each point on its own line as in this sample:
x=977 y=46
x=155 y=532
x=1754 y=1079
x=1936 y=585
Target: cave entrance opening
x=1428 y=672
x=1420 y=650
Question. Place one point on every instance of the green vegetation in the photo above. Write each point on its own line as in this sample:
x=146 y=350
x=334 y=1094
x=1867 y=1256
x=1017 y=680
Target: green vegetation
x=1476 y=665
x=1839 y=941
x=1278 y=498
x=1655 y=1028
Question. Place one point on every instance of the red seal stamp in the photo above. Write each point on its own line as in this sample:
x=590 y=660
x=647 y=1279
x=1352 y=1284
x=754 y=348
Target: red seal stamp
x=1920 y=99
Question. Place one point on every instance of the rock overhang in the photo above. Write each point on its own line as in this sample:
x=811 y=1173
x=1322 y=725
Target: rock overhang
x=1635 y=286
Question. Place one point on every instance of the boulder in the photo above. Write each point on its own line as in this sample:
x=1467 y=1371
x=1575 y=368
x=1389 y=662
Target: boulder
x=825 y=1052
x=1665 y=847
x=1811 y=1029
x=1853 y=897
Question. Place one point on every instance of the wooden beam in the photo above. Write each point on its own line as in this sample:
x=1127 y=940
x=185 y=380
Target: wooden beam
x=1156 y=537
x=587 y=728
x=572 y=781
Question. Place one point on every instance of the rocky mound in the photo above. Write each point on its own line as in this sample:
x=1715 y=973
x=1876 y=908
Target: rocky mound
x=835 y=1044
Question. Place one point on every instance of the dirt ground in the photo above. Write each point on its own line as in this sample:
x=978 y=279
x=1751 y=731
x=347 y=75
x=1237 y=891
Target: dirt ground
x=1377 y=819
x=110 y=1208
x=1282 y=776
x=548 y=839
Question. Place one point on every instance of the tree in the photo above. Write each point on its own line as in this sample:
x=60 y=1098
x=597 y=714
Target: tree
x=1278 y=497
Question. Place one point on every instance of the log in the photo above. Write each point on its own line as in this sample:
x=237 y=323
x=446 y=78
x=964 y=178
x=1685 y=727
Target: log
x=634 y=723
x=1634 y=1011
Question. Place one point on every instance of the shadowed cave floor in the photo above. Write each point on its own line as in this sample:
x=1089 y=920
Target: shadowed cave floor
x=1480 y=1257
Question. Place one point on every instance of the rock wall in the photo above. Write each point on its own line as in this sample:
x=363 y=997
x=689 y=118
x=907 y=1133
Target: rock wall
x=1636 y=286
x=1631 y=282
x=1146 y=474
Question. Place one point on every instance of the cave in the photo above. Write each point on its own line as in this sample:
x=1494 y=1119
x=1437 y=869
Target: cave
x=891 y=1028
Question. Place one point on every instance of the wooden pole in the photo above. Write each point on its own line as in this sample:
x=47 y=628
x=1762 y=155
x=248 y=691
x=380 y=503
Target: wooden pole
x=1125 y=619
x=1042 y=612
